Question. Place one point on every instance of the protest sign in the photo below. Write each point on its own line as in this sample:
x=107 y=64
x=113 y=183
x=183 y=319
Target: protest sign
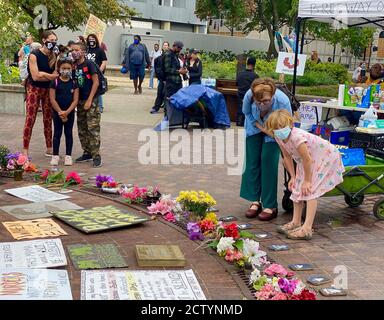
x=36 y=194
x=98 y=219
x=286 y=63
x=32 y=254
x=34 y=284
x=140 y=285
x=29 y=229
x=95 y=26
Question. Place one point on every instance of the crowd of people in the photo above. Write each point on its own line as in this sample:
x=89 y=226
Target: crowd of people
x=59 y=80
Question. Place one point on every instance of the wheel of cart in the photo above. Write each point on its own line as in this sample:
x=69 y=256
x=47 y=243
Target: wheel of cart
x=358 y=182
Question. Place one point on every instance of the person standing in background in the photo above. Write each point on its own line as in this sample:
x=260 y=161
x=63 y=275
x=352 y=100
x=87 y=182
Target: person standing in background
x=136 y=57
x=195 y=67
x=96 y=54
x=243 y=81
x=159 y=70
x=26 y=48
x=315 y=57
x=154 y=54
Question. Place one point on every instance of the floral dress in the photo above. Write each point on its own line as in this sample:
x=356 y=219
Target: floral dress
x=327 y=166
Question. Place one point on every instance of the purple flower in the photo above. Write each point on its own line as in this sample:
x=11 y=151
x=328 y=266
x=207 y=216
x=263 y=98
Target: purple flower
x=196 y=236
x=13 y=156
x=287 y=286
x=194 y=231
x=101 y=179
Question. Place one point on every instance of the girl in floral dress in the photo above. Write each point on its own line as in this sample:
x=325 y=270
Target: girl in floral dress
x=319 y=170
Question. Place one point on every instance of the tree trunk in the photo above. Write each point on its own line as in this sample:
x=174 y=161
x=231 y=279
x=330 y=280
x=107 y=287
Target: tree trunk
x=272 y=52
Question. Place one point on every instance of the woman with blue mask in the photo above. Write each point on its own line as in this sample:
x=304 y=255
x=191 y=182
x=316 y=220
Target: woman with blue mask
x=259 y=181
x=319 y=170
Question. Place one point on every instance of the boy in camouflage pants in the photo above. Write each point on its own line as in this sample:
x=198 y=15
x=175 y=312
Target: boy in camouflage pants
x=88 y=112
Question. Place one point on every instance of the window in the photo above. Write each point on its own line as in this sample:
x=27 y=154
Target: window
x=167 y=3
x=179 y=3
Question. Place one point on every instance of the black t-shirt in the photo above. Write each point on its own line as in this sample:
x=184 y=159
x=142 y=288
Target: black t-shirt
x=244 y=81
x=65 y=91
x=43 y=66
x=97 y=55
x=84 y=73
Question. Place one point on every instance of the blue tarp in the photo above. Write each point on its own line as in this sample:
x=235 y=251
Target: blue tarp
x=214 y=101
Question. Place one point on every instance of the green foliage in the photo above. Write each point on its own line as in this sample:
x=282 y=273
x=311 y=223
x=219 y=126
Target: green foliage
x=213 y=244
x=322 y=91
x=9 y=74
x=3 y=152
x=336 y=70
x=219 y=70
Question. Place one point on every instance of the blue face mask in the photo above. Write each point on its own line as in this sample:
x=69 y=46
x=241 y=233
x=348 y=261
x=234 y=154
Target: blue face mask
x=283 y=133
x=136 y=41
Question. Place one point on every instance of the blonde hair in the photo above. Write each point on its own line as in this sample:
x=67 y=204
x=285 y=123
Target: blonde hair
x=279 y=119
x=260 y=87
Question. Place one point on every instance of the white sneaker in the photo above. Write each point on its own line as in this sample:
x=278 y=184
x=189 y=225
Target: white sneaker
x=68 y=161
x=55 y=160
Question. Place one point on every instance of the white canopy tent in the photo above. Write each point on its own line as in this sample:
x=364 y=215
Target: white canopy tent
x=347 y=13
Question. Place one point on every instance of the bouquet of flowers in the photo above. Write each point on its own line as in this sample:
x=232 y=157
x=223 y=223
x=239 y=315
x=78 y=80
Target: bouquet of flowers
x=71 y=179
x=105 y=182
x=139 y=195
x=166 y=206
x=196 y=202
x=17 y=161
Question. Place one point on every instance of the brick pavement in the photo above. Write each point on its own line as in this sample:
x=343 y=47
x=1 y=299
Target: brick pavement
x=350 y=237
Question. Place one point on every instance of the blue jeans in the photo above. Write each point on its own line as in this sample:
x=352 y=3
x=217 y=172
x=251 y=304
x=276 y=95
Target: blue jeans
x=101 y=105
x=152 y=77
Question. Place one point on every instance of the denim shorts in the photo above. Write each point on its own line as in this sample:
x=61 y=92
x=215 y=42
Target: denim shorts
x=137 y=72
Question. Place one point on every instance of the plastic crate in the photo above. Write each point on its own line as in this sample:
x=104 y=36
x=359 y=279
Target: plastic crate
x=365 y=140
x=375 y=153
x=340 y=137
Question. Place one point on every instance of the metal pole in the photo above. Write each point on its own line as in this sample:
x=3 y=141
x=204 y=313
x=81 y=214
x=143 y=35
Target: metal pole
x=302 y=38
x=334 y=53
x=298 y=27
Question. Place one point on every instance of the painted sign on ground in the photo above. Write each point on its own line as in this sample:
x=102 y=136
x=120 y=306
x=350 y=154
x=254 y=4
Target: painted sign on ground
x=140 y=285
x=96 y=256
x=95 y=26
x=34 y=284
x=98 y=219
x=38 y=210
x=286 y=63
x=30 y=229
x=32 y=254
x=36 y=194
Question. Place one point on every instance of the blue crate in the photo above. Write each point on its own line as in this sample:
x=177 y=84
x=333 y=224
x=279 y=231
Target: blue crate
x=340 y=137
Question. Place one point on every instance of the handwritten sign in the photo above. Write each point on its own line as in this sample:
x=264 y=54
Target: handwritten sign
x=38 y=210
x=98 y=219
x=95 y=26
x=286 y=63
x=36 y=194
x=96 y=256
x=34 y=284
x=29 y=229
x=140 y=285
x=308 y=114
x=32 y=254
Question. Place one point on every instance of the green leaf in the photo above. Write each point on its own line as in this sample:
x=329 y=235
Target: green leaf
x=247 y=235
x=213 y=244
x=239 y=244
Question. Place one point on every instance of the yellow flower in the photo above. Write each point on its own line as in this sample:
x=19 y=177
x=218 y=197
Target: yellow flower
x=212 y=217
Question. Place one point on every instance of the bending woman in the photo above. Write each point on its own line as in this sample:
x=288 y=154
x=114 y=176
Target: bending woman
x=41 y=69
x=259 y=181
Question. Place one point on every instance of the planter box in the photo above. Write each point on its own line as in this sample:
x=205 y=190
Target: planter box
x=229 y=89
x=12 y=99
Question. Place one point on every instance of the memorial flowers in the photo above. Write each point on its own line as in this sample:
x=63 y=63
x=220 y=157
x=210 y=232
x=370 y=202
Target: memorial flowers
x=72 y=178
x=17 y=161
x=139 y=195
x=105 y=182
x=196 y=202
x=165 y=206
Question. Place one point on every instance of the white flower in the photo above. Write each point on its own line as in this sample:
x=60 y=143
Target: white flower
x=252 y=253
x=225 y=244
x=300 y=286
x=255 y=275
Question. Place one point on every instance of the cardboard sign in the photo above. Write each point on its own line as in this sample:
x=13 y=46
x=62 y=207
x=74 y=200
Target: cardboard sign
x=38 y=210
x=286 y=63
x=97 y=256
x=140 y=285
x=34 y=284
x=98 y=219
x=308 y=114
x=32 y=254
x=30 y=229
x=95 y=26
x=36 y=194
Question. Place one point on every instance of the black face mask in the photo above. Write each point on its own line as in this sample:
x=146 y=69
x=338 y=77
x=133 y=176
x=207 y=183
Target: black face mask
x=92 y=43
x=50 y=45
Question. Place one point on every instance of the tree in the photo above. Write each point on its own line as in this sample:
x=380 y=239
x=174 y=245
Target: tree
x=74 y=13
x=232 y=12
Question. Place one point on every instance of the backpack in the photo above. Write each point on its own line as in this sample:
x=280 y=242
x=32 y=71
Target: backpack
x=159 y=67
x=295 y=104
x=103 y=82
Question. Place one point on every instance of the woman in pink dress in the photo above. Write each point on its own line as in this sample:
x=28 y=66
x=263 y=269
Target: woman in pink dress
x=319 y=170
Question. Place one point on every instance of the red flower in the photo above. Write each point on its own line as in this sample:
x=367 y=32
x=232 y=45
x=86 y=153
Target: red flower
x=73 y=177
x=206 y=225
x=45 y=175
x=304 y=295
x=231 y=231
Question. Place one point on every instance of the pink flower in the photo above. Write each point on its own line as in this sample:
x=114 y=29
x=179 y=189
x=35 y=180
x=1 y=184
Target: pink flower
x=276 y=269
x=233 y=255
x=73 y=178
x=279 y=296
x=22 y=159
x=159 y=208
x=170 y=217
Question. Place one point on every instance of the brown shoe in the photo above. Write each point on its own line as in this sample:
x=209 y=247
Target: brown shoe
x=252 y=213
x=266 y=216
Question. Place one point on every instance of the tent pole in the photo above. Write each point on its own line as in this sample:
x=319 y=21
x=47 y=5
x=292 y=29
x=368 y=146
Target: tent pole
x=302 y=39
x=298 y=27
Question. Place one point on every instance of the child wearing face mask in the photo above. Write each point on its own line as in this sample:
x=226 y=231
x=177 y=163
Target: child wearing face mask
x=319 y=170
x=64 y=96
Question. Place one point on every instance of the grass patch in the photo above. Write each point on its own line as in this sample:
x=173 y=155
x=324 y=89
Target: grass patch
x=322 y=91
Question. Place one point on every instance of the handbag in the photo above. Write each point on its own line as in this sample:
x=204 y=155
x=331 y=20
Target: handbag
x=353 y=157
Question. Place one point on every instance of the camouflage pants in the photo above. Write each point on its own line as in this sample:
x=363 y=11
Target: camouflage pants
x=88 y=124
